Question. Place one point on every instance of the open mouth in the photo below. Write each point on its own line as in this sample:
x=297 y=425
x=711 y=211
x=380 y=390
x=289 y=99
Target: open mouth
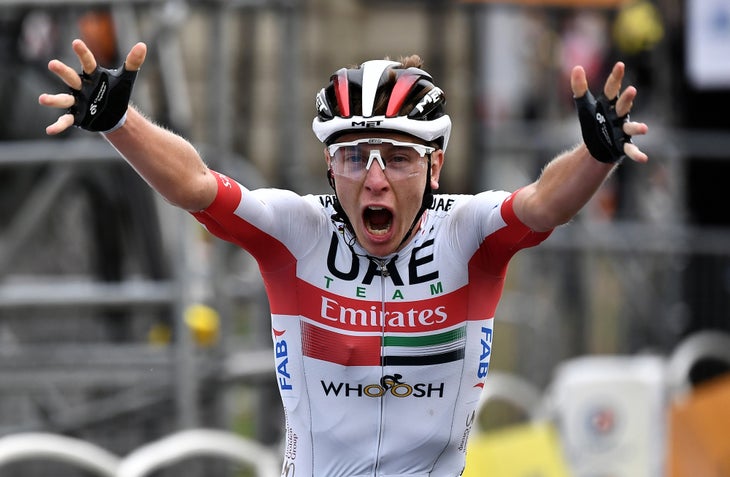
x=377 y=220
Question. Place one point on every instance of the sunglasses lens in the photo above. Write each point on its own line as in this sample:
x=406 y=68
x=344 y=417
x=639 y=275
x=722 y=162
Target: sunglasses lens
x=398 y=160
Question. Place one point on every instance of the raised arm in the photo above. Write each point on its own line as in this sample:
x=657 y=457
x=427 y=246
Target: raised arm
x=570 y=180
x=168 y=162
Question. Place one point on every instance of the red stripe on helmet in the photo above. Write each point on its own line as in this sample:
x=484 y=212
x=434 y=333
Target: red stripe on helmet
x=342 y=92
x=399 y=94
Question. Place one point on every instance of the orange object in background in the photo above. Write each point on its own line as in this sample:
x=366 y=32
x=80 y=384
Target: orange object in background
x=555 y=3
x=699 y=432
x=97 y=31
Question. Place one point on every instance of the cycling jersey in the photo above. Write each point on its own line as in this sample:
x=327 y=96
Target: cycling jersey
x=380 y=362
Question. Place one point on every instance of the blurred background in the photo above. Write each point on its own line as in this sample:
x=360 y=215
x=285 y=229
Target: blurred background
x=122 y=322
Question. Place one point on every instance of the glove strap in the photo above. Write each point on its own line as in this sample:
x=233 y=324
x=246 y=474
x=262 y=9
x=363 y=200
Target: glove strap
x=118 y=125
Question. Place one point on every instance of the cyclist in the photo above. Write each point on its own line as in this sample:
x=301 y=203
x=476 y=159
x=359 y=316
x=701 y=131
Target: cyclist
x=382 y=293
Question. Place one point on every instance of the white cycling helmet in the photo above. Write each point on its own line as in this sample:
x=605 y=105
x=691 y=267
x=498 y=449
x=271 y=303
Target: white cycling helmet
x=382 y=95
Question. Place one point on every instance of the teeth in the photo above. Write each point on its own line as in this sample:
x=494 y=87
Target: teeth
x=377 y=231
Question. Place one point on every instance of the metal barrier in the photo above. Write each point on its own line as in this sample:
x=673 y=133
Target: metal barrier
x=73 y=451
x=144 y=460
x=196 y=443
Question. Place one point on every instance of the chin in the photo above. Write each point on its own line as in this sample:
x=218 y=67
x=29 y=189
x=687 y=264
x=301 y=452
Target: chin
x=381 y=249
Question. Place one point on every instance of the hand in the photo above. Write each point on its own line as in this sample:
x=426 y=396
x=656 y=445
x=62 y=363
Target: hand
x=68 y=75
x=625 y=102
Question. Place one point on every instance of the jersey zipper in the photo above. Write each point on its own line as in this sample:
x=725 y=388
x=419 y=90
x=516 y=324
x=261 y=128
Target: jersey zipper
x=384 y=274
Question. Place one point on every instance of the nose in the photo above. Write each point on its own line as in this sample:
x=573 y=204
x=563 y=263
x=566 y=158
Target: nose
x=375 y=179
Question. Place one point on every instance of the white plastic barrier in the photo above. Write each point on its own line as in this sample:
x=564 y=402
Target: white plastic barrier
x=611 y=415
x=29 y=446
x=196 y=443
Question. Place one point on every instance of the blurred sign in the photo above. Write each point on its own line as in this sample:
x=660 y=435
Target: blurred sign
x=611 y=412
x=708 y=43
x=555 y=3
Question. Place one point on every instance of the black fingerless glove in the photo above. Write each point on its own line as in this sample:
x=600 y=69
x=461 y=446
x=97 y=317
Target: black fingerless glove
x=602 y=128
x=102 y=101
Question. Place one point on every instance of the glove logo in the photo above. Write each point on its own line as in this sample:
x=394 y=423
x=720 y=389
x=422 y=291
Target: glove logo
x=602 y=127
x=99 y=97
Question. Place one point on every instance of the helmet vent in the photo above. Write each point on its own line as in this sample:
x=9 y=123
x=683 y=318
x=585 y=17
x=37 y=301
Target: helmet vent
x=342 y=92
x=399 y=94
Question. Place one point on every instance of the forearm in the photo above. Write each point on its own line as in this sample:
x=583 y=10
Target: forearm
x=168 y=163
x=566 y=184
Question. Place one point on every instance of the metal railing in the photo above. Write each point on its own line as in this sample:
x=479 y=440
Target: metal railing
x=145 y=460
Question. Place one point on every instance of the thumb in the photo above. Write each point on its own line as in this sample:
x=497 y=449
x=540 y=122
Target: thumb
x=135 y=57
x=578 y=82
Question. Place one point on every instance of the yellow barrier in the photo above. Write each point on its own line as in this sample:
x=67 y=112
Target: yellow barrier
x=525 y=450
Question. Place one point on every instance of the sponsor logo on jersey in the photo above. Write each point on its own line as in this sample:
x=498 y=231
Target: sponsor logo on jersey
x=395 y=349
x=439 y=202
x=484 y=356
x=343 y=263
x=375 y=316
x=288 y=469
x=372 y=316
x=281 y=356
x=389 y=385
x=470 y=418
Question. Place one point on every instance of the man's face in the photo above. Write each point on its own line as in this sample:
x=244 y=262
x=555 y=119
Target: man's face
x=382 y=203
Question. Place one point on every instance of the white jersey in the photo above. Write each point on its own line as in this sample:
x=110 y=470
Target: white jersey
x=380 y=362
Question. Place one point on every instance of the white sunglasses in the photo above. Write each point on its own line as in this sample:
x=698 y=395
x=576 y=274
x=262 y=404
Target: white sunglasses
x=397 y=159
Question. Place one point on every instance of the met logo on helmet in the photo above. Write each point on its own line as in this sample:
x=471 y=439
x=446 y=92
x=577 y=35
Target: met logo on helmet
x=367 y=124
x=432 y=97
x=321 y=104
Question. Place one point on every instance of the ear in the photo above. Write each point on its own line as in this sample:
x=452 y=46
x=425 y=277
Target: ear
x=330 y=177
x=437 y=162
x=327 y=158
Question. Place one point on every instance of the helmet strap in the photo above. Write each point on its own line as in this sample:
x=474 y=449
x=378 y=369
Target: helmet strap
x=425 y=204
x=341 y=216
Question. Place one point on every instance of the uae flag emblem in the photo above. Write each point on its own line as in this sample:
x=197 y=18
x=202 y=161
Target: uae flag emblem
x=351 y=348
